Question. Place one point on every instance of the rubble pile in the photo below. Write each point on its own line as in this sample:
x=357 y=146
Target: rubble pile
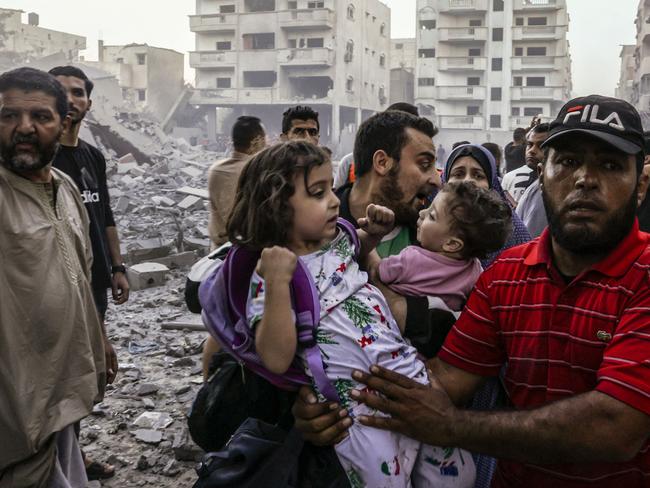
x=159 y=199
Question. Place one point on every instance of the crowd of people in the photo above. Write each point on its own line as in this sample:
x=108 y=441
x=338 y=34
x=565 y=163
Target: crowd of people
x=475 y=326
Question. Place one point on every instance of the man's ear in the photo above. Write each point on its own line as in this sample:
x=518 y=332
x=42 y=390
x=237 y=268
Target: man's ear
x=453 y=245
x=382 y=163
x=642 y=185
x=66 y=123
x=90 y=104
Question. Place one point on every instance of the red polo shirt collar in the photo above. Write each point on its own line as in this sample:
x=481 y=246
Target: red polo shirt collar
x=615 y=264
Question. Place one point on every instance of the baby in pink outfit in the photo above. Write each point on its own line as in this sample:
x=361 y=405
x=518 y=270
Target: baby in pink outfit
x=464 y=223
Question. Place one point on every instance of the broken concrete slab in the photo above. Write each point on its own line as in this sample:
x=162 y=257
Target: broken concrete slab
x=179 y=260
x=148 y=436
x=191 y=202
x=123 y=204
x=127 y=159
x=164 y=201
x=145 y=249
x=200 y=245
x=125 y=168
x=192 y=172
x=197 y=192
x=153 y=420
x=147 y=275
x=126 y=180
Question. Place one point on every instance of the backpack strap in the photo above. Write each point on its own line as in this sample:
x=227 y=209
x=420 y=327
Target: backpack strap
x=307 y=308
x=352 y=232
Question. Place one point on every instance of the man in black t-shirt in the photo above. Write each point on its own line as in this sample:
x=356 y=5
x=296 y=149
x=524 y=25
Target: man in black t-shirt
x=86 y=165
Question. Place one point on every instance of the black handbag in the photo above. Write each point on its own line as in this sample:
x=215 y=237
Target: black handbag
x=257 y=455
x=231 y=395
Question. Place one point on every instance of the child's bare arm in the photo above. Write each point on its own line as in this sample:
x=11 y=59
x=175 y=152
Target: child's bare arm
x=378 y=222
x=275 y=335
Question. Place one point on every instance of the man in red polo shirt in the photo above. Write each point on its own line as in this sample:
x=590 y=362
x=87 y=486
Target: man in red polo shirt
x=568 y=313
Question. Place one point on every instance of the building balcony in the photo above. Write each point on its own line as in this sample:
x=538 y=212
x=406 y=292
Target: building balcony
x=213 y=59
x=214 y=96
x=462 y=7
x=462 y=64
x=307 y=19
x=461 y=122
x=317 y=56
x=213 y=23
x=539 y=93
x=463 y=34
x=524 y=121
x=538 y=32
x=461 y=93
x=539 y=63
x=538 y=5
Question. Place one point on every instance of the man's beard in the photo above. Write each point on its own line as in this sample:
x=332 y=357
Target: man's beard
x=25 y=162
x=391 y=196
x=77 y=117
x=583 y=240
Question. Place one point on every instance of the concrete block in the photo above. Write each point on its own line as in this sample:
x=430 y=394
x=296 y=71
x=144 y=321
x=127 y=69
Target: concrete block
x=146 y=249
x=191 y=203
x=192 y=172
x=127 y=158
x=200 y=245
x=163 y=201
x=123 y=204
x=137 y=171
x=122 y=169
x=179 y=260
x=197 y=192
x=147 y=275
x=126 y=180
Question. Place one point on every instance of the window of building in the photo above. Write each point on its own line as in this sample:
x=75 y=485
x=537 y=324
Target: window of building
x=475 y=22
x=495 y=94
x=260 y=79
x=519 y=21
x=497 y=64
x=119 y=60
x=474 y=51
x=495 y=121
x=142 y=58
x=426 y=82
x=535 y=81
x=382 y=30
x=518 y=81
x=349 y=51
x=293 y=43
x=351 y=12
x=349 y=84
x=427 y=53
x=428 y=24
x=537 y=21
x=292 y=5
x=382 y=61
x=399 y=45
x=519 y=51
x=226 y=9
x=532 y=111
x=315 y=4
x=125 y=93
x=497 y=5
x=497 y=34
x=315 y=42
x=264 y=40
x=142 y=95
x=224 y=83
x=259 y=5
x=515 y=111
x=536 y=51
x=224 y=45
x=473 y=81
x=473 y=110
x=382 y=95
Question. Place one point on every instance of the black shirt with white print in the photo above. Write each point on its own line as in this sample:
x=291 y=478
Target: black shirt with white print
x=86 y=165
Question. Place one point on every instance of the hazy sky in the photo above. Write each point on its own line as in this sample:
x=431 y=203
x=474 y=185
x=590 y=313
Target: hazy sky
x=598 y=28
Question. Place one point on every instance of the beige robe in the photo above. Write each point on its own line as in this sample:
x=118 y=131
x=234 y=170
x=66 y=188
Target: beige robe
x=223 y=177
x=51 y=349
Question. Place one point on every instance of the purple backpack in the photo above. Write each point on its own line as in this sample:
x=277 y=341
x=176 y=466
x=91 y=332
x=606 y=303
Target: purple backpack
x=223 y=296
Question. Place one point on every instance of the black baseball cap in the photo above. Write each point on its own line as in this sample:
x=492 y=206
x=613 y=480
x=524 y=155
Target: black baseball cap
x=611 y=120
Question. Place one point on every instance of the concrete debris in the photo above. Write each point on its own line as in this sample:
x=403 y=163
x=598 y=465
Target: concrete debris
x=191 y=203
x=197 y=192
x=153 y=420
x=148 y=436
x=146 y=275
x=127 y=159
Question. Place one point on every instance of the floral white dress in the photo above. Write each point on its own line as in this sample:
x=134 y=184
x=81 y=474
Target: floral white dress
x=357 y=330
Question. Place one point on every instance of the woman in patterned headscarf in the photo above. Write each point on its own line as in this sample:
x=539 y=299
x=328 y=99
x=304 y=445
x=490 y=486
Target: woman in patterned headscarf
x=474 y=163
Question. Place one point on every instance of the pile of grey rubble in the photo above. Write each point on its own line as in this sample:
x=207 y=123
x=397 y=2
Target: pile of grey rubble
x=159 y=201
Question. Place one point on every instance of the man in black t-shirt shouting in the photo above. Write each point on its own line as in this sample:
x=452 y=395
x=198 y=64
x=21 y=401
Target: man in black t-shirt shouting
x=86 y=165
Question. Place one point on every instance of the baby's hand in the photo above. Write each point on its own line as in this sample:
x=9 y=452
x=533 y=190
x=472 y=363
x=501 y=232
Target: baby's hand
x=378 y=221
x=277 y=264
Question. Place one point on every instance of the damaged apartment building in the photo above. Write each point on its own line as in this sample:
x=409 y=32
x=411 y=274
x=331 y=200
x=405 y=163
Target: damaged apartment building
x=257 y=57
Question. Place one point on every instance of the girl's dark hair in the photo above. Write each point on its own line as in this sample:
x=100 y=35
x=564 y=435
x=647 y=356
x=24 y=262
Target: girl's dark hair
x=479 y=216
x=261 y=215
